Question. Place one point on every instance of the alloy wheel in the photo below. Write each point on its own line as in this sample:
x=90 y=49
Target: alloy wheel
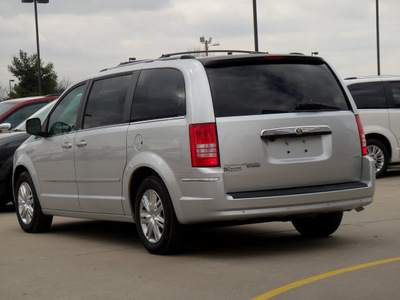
x=25 y=203
x=377 y=155
x=152 y=216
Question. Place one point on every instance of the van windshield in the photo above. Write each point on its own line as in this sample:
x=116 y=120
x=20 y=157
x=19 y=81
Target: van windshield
x=4 y=106
x=269 y=88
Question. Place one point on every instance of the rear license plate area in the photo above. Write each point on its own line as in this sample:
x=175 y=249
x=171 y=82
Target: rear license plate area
x=296 y=148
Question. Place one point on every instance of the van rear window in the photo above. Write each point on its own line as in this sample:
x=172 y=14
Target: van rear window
x=268 y=88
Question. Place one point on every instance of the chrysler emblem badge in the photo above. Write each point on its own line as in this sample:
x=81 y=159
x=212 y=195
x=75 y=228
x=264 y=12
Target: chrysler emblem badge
x=299 y=131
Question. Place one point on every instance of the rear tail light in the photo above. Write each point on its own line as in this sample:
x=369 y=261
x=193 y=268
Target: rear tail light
x=204 y=145
x=362 y=136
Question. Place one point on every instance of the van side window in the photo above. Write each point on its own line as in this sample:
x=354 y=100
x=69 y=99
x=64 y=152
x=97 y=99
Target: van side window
x=106 y=101
x=368 y=95
x=160 y=93
x=63 y=118
x=395 y=88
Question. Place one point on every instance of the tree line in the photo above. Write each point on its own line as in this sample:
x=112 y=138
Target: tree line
x=24 y=68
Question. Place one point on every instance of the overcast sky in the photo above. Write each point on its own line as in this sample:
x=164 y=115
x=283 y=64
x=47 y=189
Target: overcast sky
x=82 y=37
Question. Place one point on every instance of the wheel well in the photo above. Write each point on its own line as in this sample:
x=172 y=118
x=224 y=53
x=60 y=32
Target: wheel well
x=18 y=171
x=383 y=140
x=136 y=179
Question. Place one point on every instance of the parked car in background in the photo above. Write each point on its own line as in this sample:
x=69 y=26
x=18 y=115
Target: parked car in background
x=13 y=112
x=378 y=102
x=9 y=142
x=183 y=140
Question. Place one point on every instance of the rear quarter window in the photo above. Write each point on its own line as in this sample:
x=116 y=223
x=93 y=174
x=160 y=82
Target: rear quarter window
x=274 y=88
x=160 y=93
x=368 y=95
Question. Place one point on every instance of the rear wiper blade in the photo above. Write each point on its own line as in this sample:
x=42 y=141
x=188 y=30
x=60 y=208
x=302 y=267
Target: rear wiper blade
x=315 y=106
x=274 y=111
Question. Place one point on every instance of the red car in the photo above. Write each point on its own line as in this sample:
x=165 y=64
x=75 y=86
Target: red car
x=17 y=110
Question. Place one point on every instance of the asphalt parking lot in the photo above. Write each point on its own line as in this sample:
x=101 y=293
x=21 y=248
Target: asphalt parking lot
x=84 y=259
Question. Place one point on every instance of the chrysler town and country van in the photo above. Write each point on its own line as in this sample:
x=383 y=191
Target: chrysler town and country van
x=378 y=102
x=183 y=140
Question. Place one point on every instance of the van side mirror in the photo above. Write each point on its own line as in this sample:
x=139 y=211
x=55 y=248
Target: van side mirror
x=34 y=126
x=5 y=127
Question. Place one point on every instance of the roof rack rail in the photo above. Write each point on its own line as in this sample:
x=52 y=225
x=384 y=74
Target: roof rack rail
x=229 y=52
x=130 y=62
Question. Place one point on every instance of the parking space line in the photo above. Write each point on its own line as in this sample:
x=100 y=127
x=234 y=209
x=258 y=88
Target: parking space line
x=296 y=284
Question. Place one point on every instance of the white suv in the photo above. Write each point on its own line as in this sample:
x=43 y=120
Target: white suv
x=378 y=102
x=184 y=140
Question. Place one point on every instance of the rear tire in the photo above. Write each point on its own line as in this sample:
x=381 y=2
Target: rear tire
x=29 y=212
x=156 y=222
x=378 y=152
x=318 y=226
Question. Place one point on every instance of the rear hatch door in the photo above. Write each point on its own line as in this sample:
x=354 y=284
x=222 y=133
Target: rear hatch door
x=283 y=122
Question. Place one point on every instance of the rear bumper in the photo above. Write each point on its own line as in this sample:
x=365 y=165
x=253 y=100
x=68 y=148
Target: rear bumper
x=215 y=205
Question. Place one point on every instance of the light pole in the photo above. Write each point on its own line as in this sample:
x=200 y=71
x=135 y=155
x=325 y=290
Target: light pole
x=378 y=54
x=255 y=25
x=35 y=2
x=9 y=82
x=207 y=43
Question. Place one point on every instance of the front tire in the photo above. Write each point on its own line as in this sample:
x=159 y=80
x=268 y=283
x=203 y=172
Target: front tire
x=29 y=212
x=156 y=222
x=318 y=226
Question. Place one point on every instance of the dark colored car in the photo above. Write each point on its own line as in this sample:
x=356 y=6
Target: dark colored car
x=9 y=142
x=15 y=111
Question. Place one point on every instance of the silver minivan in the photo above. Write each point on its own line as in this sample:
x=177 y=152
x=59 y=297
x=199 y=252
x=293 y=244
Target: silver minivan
x=183 y=140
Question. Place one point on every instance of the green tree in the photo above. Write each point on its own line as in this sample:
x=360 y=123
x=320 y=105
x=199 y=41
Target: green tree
x=24 y=68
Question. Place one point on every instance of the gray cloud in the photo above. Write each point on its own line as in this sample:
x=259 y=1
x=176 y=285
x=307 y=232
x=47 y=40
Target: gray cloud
x=82 y=37
x=83 y=7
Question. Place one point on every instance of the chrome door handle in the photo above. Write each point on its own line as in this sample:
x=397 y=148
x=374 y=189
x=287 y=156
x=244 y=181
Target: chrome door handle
x=67 y=145
x=296 y=131
x=81 y=144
